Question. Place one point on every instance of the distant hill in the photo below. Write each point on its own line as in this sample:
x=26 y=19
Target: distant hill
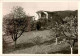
x=63 y=14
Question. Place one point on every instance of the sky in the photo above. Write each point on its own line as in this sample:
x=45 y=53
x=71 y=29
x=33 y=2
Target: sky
x=31 y=8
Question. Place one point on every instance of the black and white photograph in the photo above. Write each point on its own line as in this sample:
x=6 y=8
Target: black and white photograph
x=40 y=28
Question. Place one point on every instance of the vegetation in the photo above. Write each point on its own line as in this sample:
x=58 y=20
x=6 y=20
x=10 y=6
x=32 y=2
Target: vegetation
x=70 y=30
x=15 y=23
x=63 y=26
x=37 y=40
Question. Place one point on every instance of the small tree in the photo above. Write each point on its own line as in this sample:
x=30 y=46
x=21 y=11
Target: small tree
x=70 y=30
x=56 y=32
x=66 y=28
x=16 y=23
x=56 y=27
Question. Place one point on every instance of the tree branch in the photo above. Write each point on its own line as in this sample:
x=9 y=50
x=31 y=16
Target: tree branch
x=64 y=33
x=22 y=31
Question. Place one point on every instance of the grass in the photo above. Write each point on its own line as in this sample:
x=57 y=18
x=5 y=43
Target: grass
x=39 y=42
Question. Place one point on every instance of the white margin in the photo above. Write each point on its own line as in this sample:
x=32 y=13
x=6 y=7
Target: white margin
x=37 y=54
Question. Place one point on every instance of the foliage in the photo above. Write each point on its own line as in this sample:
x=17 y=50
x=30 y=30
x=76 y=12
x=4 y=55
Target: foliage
x=15 y=22
x=70 y=29
x=33 y=25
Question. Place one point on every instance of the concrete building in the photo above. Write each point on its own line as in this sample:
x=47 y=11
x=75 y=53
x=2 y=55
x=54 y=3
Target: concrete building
x=45 y=14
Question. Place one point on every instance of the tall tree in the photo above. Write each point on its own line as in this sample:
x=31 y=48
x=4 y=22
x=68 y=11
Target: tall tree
x=16 y=23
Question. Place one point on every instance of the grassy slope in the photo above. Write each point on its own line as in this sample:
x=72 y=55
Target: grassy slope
x=25 y=44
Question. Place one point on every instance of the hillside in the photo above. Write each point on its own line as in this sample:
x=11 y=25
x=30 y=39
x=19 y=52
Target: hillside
x=67 y=13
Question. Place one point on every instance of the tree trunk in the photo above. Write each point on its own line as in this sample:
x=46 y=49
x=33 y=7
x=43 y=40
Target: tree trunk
x=56 y=41
x=71 y=50
x=15 y=43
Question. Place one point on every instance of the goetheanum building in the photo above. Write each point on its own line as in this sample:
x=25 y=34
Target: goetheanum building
x=45 y=14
